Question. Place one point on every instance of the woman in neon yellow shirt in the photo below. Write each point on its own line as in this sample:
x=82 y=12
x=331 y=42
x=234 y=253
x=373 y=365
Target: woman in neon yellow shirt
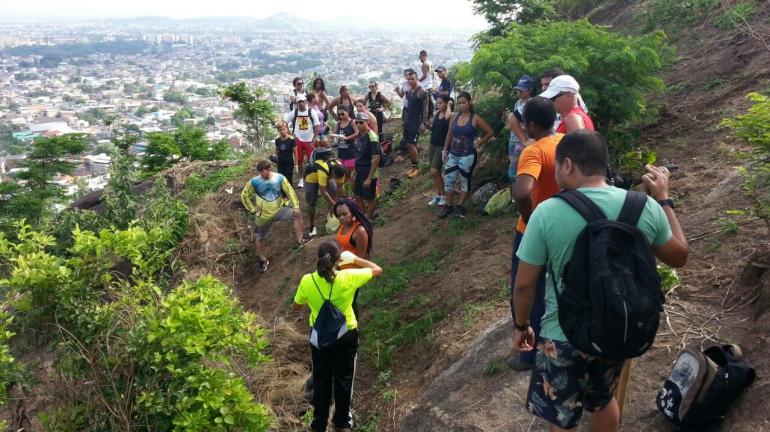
x=334 y=367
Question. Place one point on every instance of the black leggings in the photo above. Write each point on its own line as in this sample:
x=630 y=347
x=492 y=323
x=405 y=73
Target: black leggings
x=334 y=368
x=287 y=169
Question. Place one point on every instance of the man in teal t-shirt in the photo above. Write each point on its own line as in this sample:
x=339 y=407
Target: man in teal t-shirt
x=565 y=381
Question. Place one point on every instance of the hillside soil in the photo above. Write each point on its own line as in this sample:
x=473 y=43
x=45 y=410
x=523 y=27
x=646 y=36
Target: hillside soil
x=453 y=378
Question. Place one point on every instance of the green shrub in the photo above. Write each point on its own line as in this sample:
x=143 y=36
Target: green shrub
x=185 y=351
x=735 y=16
x=753 y=128
x=674 y=15
x=615 y=72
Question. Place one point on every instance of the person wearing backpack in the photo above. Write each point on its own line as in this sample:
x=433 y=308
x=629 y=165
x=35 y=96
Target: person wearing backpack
x=304 y=125
x=334 y=336
x=322 y=177
x=566 y=380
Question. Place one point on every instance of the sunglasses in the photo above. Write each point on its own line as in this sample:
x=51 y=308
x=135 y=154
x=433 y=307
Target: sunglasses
x=553 y=99
x=372 y=86
x=360 y=122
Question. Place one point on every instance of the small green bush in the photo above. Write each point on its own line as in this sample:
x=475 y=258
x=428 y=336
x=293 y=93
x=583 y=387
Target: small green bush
x=185 y=350
x=673 y=15
x=753 y=128
x=735 y=16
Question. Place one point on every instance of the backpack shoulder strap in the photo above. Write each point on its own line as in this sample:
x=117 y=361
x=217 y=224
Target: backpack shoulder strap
x=294 y=120
x=582 y=204
x=633 y=207
x=319 y=289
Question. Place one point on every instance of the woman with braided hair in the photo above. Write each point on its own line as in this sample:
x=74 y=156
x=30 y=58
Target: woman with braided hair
x=356 y=232
x=334 y=366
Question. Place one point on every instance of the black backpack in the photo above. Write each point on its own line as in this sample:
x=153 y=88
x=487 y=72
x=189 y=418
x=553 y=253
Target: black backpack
x=330 y=324
x=315 y=166
x=702 y=385
x=611 y=299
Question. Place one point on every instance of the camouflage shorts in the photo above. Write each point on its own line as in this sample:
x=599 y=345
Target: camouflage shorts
x=565 y=381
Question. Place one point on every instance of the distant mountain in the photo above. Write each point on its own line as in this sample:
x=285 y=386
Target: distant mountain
x=275 y=22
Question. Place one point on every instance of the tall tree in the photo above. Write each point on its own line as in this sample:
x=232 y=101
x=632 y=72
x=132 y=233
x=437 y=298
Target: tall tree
x=118 y=198
x=34 y=193
x=254 y=110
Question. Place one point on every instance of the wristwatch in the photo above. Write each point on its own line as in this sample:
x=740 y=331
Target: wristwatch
x=521 y=327
x=667 y=202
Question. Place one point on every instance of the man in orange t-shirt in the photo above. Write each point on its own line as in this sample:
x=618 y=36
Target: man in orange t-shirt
x=535 y=183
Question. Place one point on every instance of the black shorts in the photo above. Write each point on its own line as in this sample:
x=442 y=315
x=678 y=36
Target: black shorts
x=367 y=194
x=411 y=132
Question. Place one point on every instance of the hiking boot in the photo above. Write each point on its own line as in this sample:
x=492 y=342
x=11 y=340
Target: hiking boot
x=414 y=172
x=262 y=266
x=514 y=362
x=446 y=211
x=460 y=211
x=301 y=184
x=435 y=201
x=313 y=232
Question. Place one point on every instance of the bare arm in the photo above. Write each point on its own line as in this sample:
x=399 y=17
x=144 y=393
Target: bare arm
x=673 y=252
x=330 y=107
x=515 y=126
x=362 y=241
x=574 y=122
x=522 y=194
x=523 y=299
x=384 y=101
x=364 y=263
x=482 y=124
x=425 y=104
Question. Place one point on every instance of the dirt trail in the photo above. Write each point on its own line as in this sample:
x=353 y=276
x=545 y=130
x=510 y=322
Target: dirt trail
x=453 y=378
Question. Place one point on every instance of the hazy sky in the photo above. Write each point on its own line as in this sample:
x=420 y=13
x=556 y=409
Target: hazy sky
x=455 y=13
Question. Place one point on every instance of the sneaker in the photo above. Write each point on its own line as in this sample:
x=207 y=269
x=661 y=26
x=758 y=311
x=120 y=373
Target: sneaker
x=442 y=200
x=414 y=172
x=435 y=201
x=446 y=211
x=514 y=362
x=312 y=232
x=301 y=184
x=460 y=210
x=262 y=266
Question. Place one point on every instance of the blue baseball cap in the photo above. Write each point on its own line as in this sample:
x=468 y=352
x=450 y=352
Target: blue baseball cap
x=525 y=83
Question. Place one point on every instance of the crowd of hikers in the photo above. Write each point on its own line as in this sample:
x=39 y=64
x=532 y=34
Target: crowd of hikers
x=557 y=168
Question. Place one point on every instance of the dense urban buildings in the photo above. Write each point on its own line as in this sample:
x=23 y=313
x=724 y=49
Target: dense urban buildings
x=158 y=74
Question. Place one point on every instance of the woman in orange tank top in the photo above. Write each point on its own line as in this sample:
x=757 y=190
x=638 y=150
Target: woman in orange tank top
x=355 y=231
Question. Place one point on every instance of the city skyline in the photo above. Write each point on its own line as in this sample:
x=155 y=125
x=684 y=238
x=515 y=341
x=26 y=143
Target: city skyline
x=457 y=14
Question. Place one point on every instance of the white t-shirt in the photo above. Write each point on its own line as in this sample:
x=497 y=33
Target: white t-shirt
x=303 y=125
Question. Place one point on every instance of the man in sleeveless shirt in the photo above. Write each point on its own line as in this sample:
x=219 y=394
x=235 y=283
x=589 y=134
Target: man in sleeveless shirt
x=564 y=91
x=416 y=102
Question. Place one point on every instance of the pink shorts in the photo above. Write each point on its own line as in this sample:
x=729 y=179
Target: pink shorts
x=348 y=163
x=304 y=149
